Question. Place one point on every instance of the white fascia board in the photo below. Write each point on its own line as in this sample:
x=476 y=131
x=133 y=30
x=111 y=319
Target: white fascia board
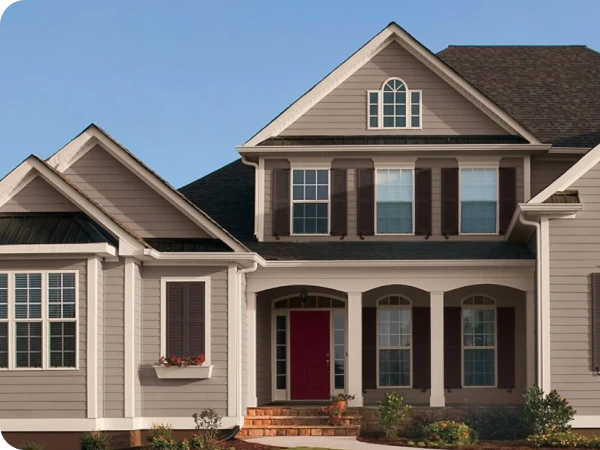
x=392 y=32
x=562 y=183
x=535 y=211
x=76 y=149
x=401 y=263
x=203 y=257
x=100 y=249
x=430 y=148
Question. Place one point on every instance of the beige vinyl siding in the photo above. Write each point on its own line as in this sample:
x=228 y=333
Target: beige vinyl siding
x=48 y=394
x=173 y=398
x=100 y=340
x=131 y=201
x=137 y=337
x=114 y=333
x=352 y=165
x=38 y=196
x=574 y=247
x=546 y=169
x=344 y=110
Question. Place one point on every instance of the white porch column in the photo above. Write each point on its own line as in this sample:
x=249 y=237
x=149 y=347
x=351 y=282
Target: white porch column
x=251 y=352
x=354 y=350
x=530 y=337
x=437 y=398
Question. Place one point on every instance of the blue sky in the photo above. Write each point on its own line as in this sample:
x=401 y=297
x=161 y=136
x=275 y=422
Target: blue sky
x=182 y=83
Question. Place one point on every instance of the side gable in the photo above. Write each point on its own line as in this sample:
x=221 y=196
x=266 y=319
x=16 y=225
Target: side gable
x=344 y=110
x=130 y=200
x=38 y=196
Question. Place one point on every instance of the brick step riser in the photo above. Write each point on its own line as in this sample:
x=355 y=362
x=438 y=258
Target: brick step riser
x=294 y=412
x=331 y=431
x=297 y=421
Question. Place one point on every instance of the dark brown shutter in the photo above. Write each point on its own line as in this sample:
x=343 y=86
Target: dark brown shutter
x=452 y=348
x=421 y=348
x=423 y=201
x=185 y=319
x=449 y=201
x=339 y=202
x=281 y=202
x=506 y=347
x=595 y=321
x=365 y=182
x=369 y=348
x=508 y=196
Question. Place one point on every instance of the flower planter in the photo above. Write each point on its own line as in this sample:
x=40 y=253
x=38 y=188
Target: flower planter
x=335 y=421
x=340 y=405
x=184 y=373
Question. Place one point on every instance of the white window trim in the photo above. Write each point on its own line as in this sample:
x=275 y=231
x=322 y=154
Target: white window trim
x=394 y=308
x=379 y=93
x=462 y=340
x=328 y=201
x=12 y=328
x=207 y=311
x=405 y=167
x=489 y=167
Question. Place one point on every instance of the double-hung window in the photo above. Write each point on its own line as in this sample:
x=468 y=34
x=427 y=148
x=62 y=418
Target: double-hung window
x=310 y=201
x=394 y=334
x=38 y=320
x=395 y=201
x=394 y=106
x=478 y=201
x=479 y=341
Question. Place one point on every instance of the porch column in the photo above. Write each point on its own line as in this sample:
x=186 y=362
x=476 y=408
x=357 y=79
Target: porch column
x=354 y=349
x=251 y=349
x=530 y=337
x=437 y=398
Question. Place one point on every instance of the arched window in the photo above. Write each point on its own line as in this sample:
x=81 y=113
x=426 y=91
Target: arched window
x=394 y=340
x=394 y=106
x=479 y=341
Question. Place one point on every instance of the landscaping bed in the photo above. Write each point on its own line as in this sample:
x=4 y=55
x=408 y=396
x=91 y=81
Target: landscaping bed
x=377 y=438
x=235 y=444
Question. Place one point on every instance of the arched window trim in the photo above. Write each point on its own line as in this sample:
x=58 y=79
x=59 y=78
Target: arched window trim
x=310 y=294
x=407 y=307
x=479 y=307
x=375 y=98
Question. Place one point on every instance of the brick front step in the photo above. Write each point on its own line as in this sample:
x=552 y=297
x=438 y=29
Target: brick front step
x=298 y=430
x=297 y=420
x=291 y=411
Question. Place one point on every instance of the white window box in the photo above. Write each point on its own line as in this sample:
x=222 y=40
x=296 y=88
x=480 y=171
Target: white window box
x=184 y=373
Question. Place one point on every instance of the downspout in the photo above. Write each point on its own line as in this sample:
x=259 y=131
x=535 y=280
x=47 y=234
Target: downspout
x=538 y=280
x=240 y=342
x=256 y=184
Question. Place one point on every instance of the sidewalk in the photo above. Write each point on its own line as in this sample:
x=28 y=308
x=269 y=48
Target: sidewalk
x=322 y=442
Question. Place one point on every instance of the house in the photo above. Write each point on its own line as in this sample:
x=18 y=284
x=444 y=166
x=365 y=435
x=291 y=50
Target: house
x=418 y=223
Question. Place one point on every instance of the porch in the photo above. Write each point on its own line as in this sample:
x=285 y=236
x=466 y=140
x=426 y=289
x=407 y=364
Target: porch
x=468 y=339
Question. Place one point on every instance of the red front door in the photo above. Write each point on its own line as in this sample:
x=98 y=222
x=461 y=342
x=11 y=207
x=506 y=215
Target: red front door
x=309 y=355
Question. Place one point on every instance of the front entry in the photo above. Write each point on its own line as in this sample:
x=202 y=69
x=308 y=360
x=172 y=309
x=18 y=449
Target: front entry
x=309 y=355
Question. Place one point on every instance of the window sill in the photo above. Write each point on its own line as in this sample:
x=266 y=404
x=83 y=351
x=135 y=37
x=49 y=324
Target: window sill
x=184 y=373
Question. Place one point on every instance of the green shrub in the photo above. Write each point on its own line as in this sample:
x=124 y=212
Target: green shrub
x=448 y=433
x=392 y=414
x=160 y=429
x=419 y=419
x=95 y=440
x=184 y=445
x=208 y=424
x=496 y=424
x=546 y=413
x=564 y=439
x=163 y=443
x=32 y=446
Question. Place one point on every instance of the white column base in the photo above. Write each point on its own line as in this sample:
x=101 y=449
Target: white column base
x=437 y=398
x=354 y=382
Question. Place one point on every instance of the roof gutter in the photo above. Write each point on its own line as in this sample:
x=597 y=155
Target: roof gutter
x=441 y=148
x=535 y=210
x=204 y=257
x=401 y=263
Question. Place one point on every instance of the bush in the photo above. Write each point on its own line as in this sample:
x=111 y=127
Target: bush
x=448 y=433
x=564 y=439
x=392 y=414
x=160 y=429
x=419 y=419
x=545 y=414
x=163 y=443
x=95 y=440
x=184 y=445
x=208 y=424
x=32 y=446
x=496 y=424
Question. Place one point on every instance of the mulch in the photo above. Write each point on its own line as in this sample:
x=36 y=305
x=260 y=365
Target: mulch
x=483 y=445
x=235 y=444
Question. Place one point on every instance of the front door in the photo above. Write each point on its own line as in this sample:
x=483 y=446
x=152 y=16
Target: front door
x=309 y=355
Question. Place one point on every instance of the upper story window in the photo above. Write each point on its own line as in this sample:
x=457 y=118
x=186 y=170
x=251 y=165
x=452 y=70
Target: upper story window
x=394 y=106
x=394 y=205
x=478 y=201
x=310 y=201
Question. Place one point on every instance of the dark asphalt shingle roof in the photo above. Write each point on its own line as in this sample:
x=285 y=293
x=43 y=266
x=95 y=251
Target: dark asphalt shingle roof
x=553 y=91
x=188 y=245
x=51 y=228
x=564 y=197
